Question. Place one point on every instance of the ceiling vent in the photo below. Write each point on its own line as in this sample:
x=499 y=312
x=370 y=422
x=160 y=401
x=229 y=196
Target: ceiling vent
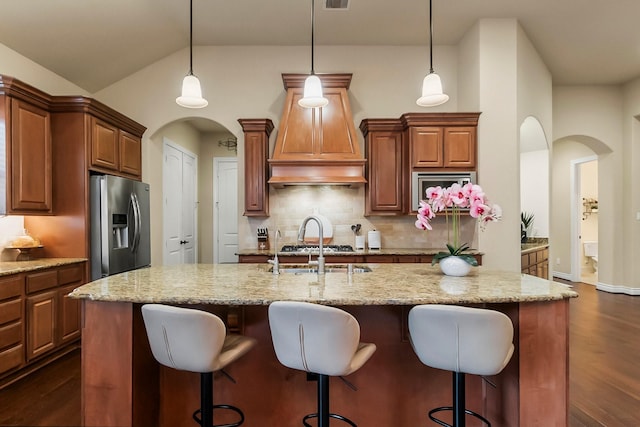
x=336 y=4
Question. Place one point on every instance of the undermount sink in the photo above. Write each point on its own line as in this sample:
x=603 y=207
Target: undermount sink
x=296 y=269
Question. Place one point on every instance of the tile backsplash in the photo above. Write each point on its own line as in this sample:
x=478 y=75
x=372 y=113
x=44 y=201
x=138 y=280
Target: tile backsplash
x=344 y=206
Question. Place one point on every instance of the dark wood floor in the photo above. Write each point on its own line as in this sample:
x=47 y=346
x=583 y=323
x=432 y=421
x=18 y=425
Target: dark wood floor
x=605 y=371
x=605 y=359
x=48 y=397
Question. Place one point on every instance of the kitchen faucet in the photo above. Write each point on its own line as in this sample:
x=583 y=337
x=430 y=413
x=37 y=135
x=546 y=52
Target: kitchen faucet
x=274 y=261
x=301 y=232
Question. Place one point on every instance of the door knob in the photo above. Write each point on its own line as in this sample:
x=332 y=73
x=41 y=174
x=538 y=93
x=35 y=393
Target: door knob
x=184 y=242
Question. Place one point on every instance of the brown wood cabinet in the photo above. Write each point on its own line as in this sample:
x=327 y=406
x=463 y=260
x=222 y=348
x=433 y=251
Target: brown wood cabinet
x=395 y=148
x=442 y=140
x=114 y=150
x=38 y=321
x=68 y=319
x=256 y=153
x=26 y=163
x=12 y=355
x=344 y=259
x=41 y=323
x=536 y=262
x=317 y=145
x=385 y=149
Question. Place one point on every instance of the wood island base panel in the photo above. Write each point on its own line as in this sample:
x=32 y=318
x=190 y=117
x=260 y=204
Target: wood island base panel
x=122 y=384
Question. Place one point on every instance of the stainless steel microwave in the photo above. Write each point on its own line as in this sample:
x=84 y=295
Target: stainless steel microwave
x=420 y=181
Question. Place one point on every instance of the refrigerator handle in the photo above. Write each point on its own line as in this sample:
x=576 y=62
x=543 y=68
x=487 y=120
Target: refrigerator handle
x=136 y=222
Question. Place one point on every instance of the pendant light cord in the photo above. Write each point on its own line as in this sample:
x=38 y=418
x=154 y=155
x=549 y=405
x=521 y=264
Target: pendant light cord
x=313 y=20
x=430 y=39
x=191 y=37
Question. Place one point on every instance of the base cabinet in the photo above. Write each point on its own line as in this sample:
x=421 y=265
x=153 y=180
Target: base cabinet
x=38 y=321
x=11 y=323
x=536 y=262
x=343 y=259
x=41 y=323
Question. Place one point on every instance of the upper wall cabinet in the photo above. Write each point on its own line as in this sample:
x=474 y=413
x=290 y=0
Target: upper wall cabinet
x=386 y=178
x=115 y=150
x=256 y=152
x=395 y=148
x=442 y=140
x=111 y=141
x=25 y=149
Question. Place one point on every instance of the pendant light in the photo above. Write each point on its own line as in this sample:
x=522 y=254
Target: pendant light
x=191 y=92
x=313 y=86
x=431 y=85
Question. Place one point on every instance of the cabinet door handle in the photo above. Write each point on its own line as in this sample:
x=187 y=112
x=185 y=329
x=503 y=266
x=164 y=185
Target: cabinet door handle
x=184 y=242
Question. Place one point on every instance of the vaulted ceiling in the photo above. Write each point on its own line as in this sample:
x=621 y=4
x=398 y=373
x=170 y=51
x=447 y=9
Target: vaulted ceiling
x=95 y=43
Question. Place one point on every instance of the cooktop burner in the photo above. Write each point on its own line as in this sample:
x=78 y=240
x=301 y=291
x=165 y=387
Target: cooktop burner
x=316 y=248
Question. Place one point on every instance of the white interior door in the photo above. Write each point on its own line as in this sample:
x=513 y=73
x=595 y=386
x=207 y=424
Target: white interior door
x=225 y=209
x=189 y=209
x=180 y=205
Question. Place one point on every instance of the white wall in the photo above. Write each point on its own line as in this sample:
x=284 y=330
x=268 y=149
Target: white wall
x=534 y=183
x=631 y=136
x=498 y=133
x=591 y=117
x=15 y=65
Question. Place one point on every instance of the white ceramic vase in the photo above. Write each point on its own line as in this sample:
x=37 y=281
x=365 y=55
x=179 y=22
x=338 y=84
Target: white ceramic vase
x=454 y=266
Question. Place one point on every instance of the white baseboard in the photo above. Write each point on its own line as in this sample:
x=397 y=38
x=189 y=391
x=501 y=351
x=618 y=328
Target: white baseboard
x=617 y=289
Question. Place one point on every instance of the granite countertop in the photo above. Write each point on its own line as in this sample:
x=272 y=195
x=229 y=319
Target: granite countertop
x=384 y=251
x=253 y=284
x=14 y=267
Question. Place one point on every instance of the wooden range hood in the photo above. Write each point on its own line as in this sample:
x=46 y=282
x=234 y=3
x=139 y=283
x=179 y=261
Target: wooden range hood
x=317 y=145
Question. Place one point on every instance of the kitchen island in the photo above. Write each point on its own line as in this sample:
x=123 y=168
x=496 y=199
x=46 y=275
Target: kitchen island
x=122 y=385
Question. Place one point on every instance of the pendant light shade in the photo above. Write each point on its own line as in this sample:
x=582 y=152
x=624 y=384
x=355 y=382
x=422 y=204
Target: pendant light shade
x=191 y=96
x=432 y=94
x=191 y=93
x=313 y=97
x=313 y=93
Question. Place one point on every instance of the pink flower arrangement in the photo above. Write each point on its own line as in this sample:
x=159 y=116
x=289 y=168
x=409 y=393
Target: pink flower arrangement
x=452 y=200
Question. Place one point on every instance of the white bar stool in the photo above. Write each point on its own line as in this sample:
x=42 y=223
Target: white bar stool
x=195 y=341
x=462 y=340
x=319 y=340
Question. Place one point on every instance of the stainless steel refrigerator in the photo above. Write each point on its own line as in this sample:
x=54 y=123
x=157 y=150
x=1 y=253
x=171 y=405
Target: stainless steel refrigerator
x=120 y=231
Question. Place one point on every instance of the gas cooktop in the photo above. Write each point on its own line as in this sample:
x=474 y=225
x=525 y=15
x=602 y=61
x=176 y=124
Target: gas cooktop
x=316 y=248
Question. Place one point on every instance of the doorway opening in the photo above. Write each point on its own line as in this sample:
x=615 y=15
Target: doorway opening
x=585 y=220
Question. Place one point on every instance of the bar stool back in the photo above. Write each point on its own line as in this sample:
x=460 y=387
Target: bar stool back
x=462 y=340
x=320 y=340
x=195 y=341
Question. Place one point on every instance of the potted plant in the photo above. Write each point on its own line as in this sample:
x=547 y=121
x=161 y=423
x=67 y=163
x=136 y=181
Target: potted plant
x=526 y=221
x=452 y=201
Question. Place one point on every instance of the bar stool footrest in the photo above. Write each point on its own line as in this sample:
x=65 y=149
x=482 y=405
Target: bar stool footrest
x=450 y=408
x=335 y=416
x=198 y=418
